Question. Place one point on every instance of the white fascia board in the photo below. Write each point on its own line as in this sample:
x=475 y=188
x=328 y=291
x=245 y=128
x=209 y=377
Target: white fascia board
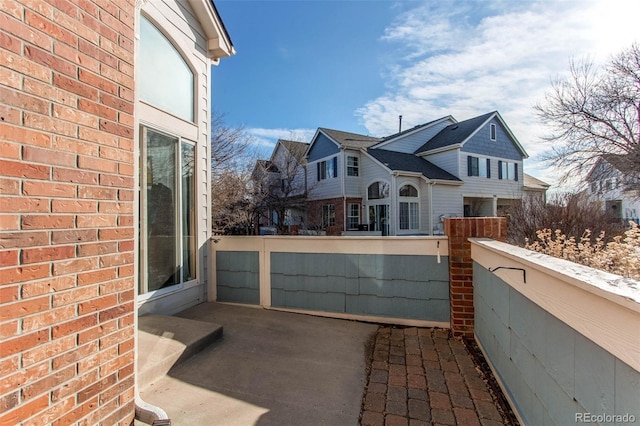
x=219 y=43
x=315 y=137
x=439 y=150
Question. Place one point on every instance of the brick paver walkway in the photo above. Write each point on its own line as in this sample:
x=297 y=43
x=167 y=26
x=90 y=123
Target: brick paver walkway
x=421 y=376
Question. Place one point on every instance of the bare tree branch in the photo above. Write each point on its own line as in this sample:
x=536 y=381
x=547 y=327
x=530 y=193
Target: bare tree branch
x=595 y=113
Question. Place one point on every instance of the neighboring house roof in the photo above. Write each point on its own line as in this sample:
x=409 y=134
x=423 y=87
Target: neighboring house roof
x=414 y=129
x=403 y=162
x=297 y=149
x=267 y=166
x=534 y=184
x=458 y=133
x=605 y=163
x=350 y=140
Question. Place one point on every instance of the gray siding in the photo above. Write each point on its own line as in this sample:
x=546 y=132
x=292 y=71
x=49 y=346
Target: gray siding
x=409 y=287
x=330 y=187
x=411 y=142
x=237 y=276
x=447 y=160
x=447 y=201
x=502 y=147
x=551 y=371
x=352 y=183
x=322 y=147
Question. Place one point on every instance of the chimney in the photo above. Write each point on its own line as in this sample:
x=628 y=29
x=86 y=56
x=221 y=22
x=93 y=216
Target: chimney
x=399 y=123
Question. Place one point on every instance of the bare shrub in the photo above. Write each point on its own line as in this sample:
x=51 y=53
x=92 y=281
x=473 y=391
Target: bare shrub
x=572 y=213
x=620 y=256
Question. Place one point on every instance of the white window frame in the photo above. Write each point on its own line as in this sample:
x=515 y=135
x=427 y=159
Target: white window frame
x=328 y=215
x=493 y=132
x=412 y=222
x=351 y=208
x=353 y=166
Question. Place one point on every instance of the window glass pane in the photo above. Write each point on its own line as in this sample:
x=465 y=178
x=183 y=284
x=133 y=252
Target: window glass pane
x=413 y=215
x=165 y=79
x=354 y=216
x=482 y=167
x=408 y=191
x=352 y=166
x=404 y=215
x=161 y=208
x=188 y=212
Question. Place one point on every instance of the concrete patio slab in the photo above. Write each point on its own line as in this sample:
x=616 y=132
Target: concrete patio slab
x=269 y=368
x=165 y=341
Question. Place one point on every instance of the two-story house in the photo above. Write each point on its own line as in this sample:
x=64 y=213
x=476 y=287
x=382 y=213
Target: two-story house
x=406 y=183
x=617 y=192
x=282 y=185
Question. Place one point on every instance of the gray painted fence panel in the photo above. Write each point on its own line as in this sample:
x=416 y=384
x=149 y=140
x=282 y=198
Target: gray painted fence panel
x=397 y=286
x=237 y=276
x=551 y=371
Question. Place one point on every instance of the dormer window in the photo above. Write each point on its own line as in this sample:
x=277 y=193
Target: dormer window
x=492 y=132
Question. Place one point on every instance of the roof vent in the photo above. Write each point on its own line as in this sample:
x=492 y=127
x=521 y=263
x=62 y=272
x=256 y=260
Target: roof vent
x=454 y=127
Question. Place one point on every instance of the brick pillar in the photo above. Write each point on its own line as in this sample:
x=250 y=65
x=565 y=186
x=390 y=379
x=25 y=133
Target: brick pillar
x=459 y=230
x=66 y=212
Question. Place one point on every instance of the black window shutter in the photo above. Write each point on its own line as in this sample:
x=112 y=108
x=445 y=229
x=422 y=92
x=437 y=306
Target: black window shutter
x=335 y=166
x=515 y=169
x=488 y=168
x=499 y=169
x=469 y=165
x=318 y=170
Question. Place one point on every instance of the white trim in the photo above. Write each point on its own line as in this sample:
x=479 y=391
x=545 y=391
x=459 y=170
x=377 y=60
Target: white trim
x=603 y=307
x=438 y=150
x=218 y=41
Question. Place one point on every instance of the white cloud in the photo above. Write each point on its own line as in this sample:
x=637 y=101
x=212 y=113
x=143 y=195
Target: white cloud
x=468 y=58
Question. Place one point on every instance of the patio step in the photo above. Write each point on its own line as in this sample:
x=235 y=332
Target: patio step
x=165 y=341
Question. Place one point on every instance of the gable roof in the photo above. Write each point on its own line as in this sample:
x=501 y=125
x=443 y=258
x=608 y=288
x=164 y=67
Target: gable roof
x=391 y=138
x=403 y=162
x=533 y=183
x=297 y=149
x=457 y=134
x=350 y=140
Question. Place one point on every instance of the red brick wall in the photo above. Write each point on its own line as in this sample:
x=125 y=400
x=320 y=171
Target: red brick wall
x=66 y=212
x=314 y=213
x=459 y=230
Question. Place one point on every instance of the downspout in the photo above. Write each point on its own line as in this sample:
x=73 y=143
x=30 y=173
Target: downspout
x=343 y=177
x=430 y=185
x=144 y=411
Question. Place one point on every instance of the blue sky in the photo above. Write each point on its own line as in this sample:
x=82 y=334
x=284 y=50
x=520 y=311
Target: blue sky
x=357 y=65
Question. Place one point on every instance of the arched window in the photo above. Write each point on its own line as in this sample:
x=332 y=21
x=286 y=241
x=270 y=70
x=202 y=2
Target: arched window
x=165 y=79
x=408 y=191
x=378 y=190
x=408 y=211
